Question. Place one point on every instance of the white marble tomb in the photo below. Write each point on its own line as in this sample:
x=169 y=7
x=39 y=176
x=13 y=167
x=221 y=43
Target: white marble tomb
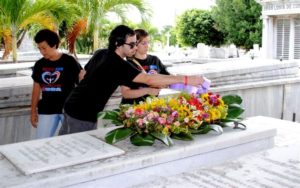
x=152 y=162
x=56 y=152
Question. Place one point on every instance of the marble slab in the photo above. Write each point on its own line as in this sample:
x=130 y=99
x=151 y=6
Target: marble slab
x=234 y=67
x=256 y=76
x=52 y=153
x=274 y=168
x=159 y=160
x=10 y=69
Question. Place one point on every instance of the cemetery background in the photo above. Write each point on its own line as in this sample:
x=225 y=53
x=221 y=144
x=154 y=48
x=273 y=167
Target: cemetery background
x=268 y=87
x=258 y=81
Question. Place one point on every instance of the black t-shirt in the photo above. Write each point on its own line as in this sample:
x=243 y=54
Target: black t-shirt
x=99 y=53
x=150 y=63
x=57 y=79
x=93 y=92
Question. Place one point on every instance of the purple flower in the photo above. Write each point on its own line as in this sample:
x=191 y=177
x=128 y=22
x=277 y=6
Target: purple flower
x=175 y=114
x=205 y=115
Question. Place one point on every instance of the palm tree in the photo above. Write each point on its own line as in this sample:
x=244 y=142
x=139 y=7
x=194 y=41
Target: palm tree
x=96 y=12
x=18 y=16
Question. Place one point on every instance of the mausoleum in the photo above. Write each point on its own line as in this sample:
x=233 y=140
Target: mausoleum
x=281 y=29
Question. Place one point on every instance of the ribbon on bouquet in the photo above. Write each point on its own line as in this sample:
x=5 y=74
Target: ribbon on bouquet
x=193 y=89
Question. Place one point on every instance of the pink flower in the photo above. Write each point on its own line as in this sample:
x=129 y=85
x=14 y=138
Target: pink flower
x=129 y=112
x=150 y=116
x=139 y=112
x=170 y=120
x=162 y=121
x=140 y=122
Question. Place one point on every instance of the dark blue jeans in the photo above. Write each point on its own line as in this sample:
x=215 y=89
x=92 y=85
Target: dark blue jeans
x=71 y=125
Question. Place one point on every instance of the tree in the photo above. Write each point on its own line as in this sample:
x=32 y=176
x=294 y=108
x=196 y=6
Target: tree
x=197 y=26
x=18 y=16
x=95 y=16
x=170 y=31
x=240 y=19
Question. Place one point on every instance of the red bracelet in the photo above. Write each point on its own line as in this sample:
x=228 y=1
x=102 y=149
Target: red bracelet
x=185 y=80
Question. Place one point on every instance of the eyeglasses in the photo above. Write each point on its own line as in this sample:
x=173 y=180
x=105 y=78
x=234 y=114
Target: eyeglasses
x=132 y=44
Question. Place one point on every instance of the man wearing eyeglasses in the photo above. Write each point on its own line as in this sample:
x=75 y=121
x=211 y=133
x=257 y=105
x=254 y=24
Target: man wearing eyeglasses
x=110 y=70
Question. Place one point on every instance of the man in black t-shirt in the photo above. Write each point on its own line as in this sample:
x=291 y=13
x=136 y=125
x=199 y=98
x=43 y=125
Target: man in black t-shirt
x=109 y=71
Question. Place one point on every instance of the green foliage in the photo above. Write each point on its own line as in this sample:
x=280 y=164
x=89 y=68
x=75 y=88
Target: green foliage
x=112 y=115
x=142 y=140
x=183 y=136
x=19 y=16
x=232 y=99
x=205 y=128
x=197 y=26
x=234 y=111
x=168 y=30
x=164 y=138
x=117 y=135
x=97 y=13
x=240 y=20
x=234 y=107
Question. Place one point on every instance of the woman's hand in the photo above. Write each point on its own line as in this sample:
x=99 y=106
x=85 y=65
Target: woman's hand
x=194 y=80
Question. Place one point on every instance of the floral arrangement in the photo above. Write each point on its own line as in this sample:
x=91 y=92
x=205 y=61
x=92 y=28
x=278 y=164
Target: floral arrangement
x=170 y=118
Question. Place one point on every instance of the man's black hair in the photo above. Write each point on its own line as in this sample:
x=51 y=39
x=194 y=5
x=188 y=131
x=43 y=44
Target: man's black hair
x=47 y=35
x=118 y=36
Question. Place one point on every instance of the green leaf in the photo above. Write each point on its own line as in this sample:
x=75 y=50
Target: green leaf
x=232 y=99
x=228 y=120
x=164 y=138
x=112 y=115
x=183 y=136
x=203 y=129
x=142 y=140
x=234 y=111
x=117 y=122
x=216 y=128
x=117 y=135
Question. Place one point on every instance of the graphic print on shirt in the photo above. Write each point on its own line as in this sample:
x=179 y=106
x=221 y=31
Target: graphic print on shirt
x=50 y=76
x=152 y=69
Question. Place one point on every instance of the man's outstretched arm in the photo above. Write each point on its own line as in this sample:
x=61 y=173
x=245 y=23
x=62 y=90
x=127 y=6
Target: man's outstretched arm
x=159 y=80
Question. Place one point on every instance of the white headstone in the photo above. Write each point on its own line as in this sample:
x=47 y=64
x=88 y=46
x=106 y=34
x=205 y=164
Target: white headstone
x=232 y=51
x=56 y=152
x=203 y=50
x=218 y=53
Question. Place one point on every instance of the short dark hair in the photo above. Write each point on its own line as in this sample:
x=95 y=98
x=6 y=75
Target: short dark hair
x=141 y=34
x=118 y=36
x=49 y=36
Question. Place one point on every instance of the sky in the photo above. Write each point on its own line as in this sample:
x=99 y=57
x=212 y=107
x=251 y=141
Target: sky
x=165 y=11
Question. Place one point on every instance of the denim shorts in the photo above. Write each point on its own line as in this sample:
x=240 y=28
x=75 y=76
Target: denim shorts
x=71 y=125
x=48 y=124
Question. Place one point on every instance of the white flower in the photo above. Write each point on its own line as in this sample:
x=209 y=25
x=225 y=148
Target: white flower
x=186 y=120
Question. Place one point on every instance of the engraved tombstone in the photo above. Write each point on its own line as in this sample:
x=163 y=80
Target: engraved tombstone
x=56 y=152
